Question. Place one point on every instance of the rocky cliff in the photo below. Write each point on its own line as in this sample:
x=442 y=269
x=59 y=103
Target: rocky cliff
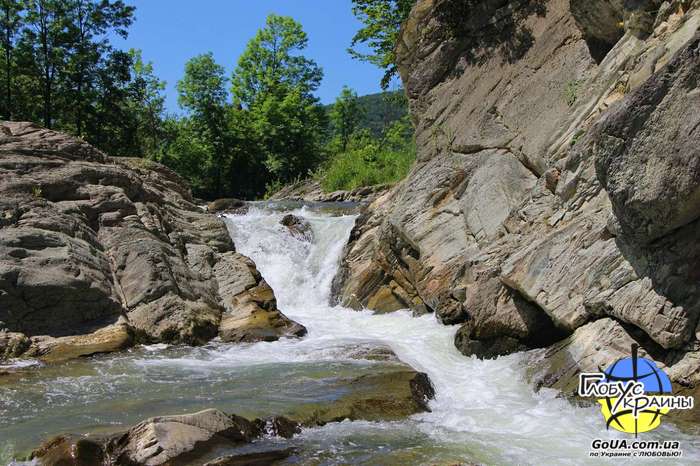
x=555 y=201
x=114 y=250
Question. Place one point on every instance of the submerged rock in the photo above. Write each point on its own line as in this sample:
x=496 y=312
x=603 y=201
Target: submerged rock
x=390 y=395
x=263 y=458
x=299 y=227
x=202 y=437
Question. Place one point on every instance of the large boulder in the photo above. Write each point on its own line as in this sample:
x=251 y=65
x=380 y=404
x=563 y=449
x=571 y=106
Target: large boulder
x=250 y=308
x=87 y=240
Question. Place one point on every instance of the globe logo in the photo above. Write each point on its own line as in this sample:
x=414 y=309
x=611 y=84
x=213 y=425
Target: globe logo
x=654 y=381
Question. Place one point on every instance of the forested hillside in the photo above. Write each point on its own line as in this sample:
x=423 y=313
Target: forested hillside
x=377 y=111
x=240 y=132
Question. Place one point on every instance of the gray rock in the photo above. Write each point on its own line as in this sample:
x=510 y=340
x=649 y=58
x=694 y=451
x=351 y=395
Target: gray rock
x=161 y=440
x=505 y=224
x=87 y=240
x=299 y=227
x=647 y=151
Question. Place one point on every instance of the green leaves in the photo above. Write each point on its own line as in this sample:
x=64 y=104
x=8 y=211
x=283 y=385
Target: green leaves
x=345 y=115
x=202 y=90
x=382 y=21
x=271 y=64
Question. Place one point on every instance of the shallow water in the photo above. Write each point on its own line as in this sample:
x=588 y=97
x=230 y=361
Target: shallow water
x=484 y=411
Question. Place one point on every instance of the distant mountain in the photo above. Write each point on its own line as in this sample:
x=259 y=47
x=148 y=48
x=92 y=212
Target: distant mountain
x=381 y=109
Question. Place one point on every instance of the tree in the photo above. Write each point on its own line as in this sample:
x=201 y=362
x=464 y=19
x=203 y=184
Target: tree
x=50 y=41
x=11 y=23
x=147 y=101
x=290 y=132
x=345 y=116
x=275 y=84
x=88 y=23
x=269 y=63
x=382 y=21
x=202 y=91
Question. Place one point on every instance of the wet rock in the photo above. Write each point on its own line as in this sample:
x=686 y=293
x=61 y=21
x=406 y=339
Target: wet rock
x=371 y=352
x=162 y=440
x=299 y=227
x=278 y=426
x=105 y=340
x=485 y=348
x=227 y=205
x=391 y=395
x=251 y=308
x=251 y=323
x=71 y=450
x=263 y=458
x=13 y=344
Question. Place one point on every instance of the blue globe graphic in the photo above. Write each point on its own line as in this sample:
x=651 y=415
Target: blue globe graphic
x=654 y=379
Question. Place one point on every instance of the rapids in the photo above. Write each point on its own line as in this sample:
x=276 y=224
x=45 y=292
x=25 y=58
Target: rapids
x=484 y=411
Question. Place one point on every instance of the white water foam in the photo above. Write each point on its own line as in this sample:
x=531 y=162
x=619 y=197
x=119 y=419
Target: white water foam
x=485 y=407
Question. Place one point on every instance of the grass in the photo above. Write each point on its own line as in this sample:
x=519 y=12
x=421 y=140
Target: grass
x=571 y=92
x=366 y=166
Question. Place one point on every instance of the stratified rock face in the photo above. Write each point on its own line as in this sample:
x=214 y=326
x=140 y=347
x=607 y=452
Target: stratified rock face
x=86 y=240
x=647 y=151
x=534 y=210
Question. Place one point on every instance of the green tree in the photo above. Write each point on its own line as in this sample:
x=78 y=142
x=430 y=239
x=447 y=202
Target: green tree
x=147 y=102
x=345 y=116
x=89 y=22
x=50 y=44
x=202 y=91
x=275 y=84
x=11 y=23
x=290 y=132
x=270 y=63
x=382 y=21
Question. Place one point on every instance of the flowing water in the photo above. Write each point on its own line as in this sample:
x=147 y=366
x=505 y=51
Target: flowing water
x=483 y=412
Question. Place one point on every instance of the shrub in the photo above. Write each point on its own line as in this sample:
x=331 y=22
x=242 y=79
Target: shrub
x=571 y=92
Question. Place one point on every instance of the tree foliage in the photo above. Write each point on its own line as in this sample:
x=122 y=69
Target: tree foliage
x=382 y=21
x=345 y=116
x=239 y=134
x=271 y=64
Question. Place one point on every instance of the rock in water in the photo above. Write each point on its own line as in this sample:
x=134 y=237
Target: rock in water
x=161 y=440
x=13 y=344
x=299 y=227
x=87 y=240
x=227 y=205
x=393 y=393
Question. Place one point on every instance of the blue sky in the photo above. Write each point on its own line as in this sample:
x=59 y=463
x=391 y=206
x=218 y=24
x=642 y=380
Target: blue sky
x=169 y=32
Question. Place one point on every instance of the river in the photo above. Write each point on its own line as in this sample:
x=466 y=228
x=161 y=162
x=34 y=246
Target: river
x=484 y=411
